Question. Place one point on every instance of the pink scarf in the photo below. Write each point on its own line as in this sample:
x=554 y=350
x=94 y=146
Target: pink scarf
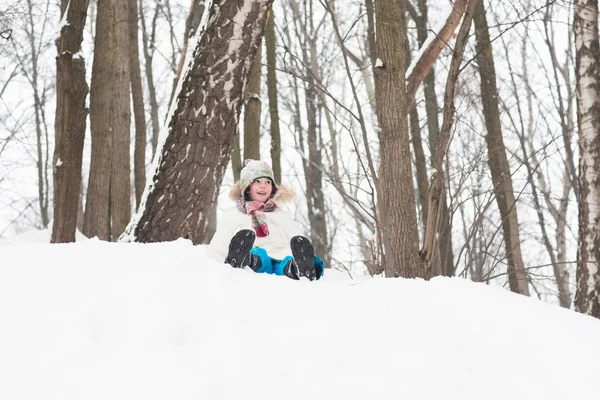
x=256 y=210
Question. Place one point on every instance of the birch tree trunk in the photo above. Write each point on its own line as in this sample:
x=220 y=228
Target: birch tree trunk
x=498 y=163
x=587 y=59
x=71 y=113
x=197 y=148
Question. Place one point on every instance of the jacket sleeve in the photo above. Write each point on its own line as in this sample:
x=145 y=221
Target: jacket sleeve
x=219 y=244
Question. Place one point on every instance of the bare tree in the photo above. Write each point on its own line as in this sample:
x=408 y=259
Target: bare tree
x=148 y=46
x=587 y=72
x=70 y=122
x=310 y=140
x=29 y=60
x=270 y=44
x=252 y=108
x=137 y=96
x=108 y=206
x=395 y=175
x=498 y=162
x=197 y=149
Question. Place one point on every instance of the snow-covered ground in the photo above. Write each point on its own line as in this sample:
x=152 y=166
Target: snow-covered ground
x=96 y=320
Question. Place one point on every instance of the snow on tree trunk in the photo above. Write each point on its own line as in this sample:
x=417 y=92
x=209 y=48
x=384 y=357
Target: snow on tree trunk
x=587 y=70
x=202 y=123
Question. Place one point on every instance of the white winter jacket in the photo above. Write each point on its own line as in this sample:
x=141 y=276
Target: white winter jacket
x=282 y=228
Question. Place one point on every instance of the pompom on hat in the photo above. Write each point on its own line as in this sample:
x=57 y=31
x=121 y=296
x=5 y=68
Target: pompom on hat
x=253 y=170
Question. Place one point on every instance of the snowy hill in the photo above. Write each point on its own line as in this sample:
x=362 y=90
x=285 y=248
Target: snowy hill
x=96 y=320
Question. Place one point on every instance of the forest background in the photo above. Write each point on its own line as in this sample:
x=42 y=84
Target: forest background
x=326 y=116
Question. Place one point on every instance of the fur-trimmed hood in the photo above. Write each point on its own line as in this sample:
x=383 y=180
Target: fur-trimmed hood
x=282 y=194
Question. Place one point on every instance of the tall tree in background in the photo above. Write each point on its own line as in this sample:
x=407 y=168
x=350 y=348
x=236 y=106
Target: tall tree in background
x=587 y=70
x=252 y=109
x=30 y=62
x=310 y=139
x=444 y=262
x=120 y=180
x=396 y=194
x=137 y=95
x=148 y=46
x=70 y=122
x=498 y=162
x=270 y=44
x=197 y=148
x=108 y=206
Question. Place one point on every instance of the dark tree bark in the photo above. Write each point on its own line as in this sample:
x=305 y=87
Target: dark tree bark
x=396 y=194
x=148 y=45
x=444 y=262
x=70 y=122
x=252 y=108
x=236 y=157
x=97 y=215
x=197 y=148
x=270 y=43
x=137 y=95
x=498 y=163
x=108 y=205
x=120 y=180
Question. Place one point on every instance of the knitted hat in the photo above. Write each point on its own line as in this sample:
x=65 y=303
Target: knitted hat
x=253 y=170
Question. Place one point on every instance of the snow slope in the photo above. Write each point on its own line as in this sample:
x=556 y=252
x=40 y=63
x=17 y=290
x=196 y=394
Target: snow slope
x=96 y=320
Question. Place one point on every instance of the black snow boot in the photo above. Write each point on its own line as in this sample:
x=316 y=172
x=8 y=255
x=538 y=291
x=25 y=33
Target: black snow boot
x=239 y=249
x=303 y=263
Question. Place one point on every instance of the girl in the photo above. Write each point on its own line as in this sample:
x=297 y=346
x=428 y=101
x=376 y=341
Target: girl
x=259 y=234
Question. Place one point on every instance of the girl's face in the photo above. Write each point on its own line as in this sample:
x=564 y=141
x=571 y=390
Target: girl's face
x=261 y=189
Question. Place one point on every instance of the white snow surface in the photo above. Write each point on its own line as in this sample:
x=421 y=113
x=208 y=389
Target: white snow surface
x=96 y=320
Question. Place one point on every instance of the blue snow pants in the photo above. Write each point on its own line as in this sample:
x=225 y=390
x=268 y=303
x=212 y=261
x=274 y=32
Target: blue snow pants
x=271 y=265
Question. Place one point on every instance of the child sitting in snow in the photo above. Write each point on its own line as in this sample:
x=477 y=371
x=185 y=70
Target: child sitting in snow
x=259 y=233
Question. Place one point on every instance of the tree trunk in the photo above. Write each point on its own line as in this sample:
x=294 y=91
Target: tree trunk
x=71 y=92
x=445 y=256
x=191 y=26
x=147 y=45
x=137 y=95
x=396 y=195
x=196 y=152
x=236 y=157
x=312 y=159
x=120 y=181
x=42 y=157
x=498 y=163
x=436 y=195
x=587 y=60
x=252 y=107
x=97 y=214
x=270 y=43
